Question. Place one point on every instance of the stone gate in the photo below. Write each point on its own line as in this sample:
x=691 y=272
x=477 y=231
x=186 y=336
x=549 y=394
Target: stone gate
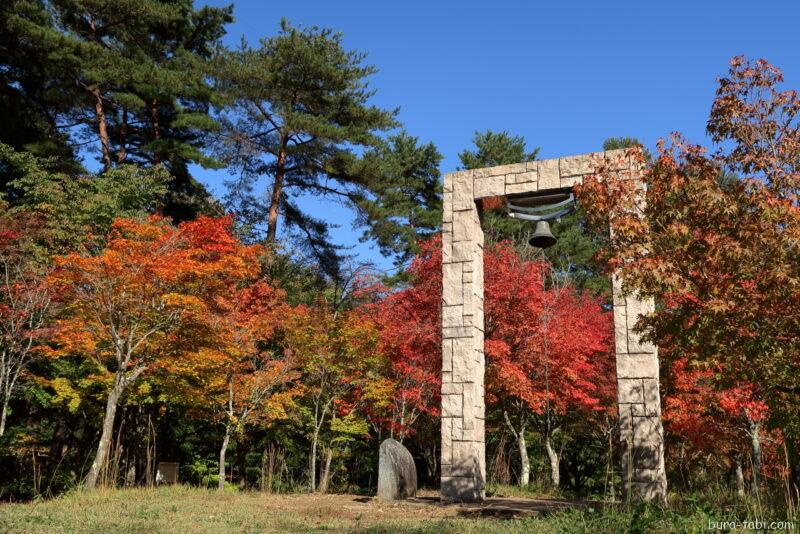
x=463 y=461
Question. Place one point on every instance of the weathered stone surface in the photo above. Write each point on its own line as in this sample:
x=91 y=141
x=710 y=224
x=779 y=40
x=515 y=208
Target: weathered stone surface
x=571 y=181
x=572 y=165
x=529 y=177
x=397 y=474
x=489 y=187
x=620 y=330
x=549 y=176
x=463 y=251
x=652 y=397
x=636 y=308
x=630 y=390
x=464 y=226
x=637 y=366
x=500 y=170
x=515 y=188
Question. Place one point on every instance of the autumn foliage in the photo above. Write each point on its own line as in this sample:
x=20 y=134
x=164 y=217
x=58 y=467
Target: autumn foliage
x=716 y=244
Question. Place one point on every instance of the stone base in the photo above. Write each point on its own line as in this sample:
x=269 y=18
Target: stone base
x=462 y=489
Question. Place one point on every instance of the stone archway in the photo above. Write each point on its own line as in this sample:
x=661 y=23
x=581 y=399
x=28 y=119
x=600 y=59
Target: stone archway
x=463 y=461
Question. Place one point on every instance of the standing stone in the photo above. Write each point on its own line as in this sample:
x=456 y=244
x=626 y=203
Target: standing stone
x=397 y=474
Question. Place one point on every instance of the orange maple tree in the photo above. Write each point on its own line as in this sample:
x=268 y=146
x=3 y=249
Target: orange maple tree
x=246 y=363
x=138 y=304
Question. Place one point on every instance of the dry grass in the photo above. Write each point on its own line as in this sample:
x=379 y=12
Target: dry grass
x=192 y=510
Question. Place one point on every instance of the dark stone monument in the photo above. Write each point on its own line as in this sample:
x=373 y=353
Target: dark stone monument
x=397 y=474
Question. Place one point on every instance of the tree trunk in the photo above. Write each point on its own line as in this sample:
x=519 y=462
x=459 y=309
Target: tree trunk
x=519 y=436
x=3 y=416
x=525 y=464
x=102 y=128
x=755 y=444
x=326 y=473
x=739 y=474
x=222 y=451
x=277 y=192
x=154 y=123
x=555 y=474
x=105 y=436
x=312 y=462
x=123 y=137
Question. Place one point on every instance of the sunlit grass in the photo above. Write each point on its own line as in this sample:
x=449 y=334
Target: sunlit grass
x=185 y=509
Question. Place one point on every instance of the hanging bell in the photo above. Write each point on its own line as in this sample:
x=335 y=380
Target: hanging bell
x=542 y=237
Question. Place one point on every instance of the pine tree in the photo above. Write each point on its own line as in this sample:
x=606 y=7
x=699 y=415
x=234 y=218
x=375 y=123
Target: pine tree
x=406 y=208
x=135 y=77
x=299 y=116
x=35 y=98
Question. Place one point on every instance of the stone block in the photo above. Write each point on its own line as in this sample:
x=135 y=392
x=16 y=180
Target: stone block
x=462 y=194
x=549 y=176
x=513 y=168
x=451 y=291
x=625 y=422
x=451 y=405
x=447 y=207
x=620 y=329
x=465 y=459
x=637 y=365
x=527 y=177
x=452 y=388
x=652 y=396
x=516 y=189
x=463 y=358
x=447 y=248
x=466 y=226
x=647 y=443
x=574 y=165
x=616 y=160
x=397 y=474
x=457 y=428
x=447 y=357
x=632 y=410
x=456 y=332
x=571 y=181
x=629 y=390
x=636 y=308
x=453 y=315
x=462 y=489
x=468 y=408
x=617 y=291
x=489 y=187
x=463 y=251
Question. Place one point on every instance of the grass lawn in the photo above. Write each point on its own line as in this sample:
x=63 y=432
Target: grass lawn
x=185 y=509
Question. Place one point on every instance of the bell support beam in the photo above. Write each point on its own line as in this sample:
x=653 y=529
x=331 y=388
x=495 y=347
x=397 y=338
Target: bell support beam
x=463 y=461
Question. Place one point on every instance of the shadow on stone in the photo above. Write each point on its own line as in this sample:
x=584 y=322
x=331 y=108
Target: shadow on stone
x=397 y=474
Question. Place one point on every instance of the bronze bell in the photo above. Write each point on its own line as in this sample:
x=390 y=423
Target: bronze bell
x=542 y=237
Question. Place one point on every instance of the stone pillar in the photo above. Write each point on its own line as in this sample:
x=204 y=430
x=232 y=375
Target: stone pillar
x=639 y=402
x=463 y=450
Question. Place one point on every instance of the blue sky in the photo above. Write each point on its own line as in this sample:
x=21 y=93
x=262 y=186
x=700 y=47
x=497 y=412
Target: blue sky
x=565 y=75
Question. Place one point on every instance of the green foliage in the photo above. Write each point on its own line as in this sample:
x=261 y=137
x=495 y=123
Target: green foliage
x=298 y=116
x=496 y=148
x=406 y=206
x=73 y=208
x=492 y=149
x=617 y=143
x=134 y=80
